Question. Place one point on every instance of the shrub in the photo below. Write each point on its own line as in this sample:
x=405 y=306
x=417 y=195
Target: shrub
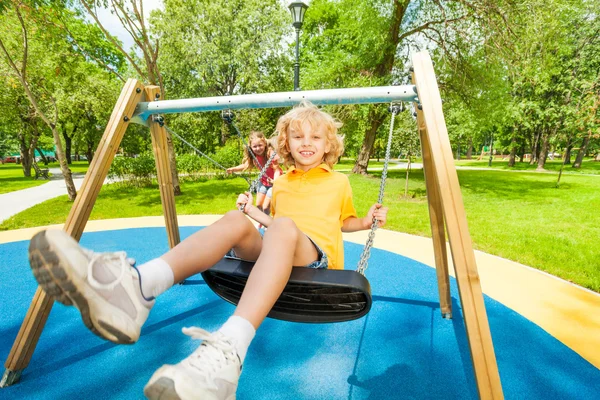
x=229 y=155
x=189 y=164
x=137 y=171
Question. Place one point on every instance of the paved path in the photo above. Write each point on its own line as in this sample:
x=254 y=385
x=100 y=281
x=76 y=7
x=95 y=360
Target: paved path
x=14 y=202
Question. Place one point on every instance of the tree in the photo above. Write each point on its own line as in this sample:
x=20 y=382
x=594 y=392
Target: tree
x=550 y=68
x=219 y=48
x=39 y=95
x=369 y=44
x=144 y=59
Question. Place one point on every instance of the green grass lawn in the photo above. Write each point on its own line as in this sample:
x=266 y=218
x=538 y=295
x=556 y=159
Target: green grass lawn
x=587 y=167
x=348 y=164
x=12 y=179
x=76 y=167
x=522 y=217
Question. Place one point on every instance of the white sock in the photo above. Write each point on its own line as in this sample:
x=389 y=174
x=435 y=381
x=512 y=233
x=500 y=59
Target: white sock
x=242 y=331
x=156 y=277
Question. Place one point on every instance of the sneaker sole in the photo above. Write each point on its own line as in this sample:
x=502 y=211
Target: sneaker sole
x=162 y=389
x=54 y=279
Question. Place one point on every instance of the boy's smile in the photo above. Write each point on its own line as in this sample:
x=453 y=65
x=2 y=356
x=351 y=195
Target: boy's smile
x=308 y=145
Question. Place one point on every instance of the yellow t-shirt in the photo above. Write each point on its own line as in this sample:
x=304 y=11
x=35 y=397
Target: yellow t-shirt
x=318 y=201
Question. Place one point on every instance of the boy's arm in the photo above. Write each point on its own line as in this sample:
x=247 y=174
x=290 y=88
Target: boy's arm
x=353 y=224
x=253 y=212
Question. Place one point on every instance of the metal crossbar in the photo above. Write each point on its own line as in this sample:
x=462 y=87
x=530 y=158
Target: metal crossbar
x=378 y=94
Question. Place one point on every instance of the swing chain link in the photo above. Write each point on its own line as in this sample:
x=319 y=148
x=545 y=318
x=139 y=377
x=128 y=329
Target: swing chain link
x=192 y=146
x=363 y=263
x=263 y=171
x=228 y=117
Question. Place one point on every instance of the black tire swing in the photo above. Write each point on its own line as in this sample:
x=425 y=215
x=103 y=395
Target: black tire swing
x=311 y=295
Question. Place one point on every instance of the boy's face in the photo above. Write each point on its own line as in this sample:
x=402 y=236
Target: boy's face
x=308 y=146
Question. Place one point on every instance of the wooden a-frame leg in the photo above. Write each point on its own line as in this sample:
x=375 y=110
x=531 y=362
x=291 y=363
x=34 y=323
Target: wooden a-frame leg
x=467 y=277
x=436 y=219
x=163 y=171
x=33 y=324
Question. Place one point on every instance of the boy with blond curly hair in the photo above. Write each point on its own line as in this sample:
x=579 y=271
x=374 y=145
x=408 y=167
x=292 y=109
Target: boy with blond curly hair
x=312 y=206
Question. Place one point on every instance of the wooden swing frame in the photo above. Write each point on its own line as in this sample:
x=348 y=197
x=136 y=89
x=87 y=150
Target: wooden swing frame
x=446 y=211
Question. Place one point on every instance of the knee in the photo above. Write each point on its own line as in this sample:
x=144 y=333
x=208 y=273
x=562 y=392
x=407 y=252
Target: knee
x=283 y=228
x=234 y=215
x=237 y=218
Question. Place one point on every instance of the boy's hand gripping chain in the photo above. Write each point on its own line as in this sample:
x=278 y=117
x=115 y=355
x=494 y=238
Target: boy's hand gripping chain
x=364 y=257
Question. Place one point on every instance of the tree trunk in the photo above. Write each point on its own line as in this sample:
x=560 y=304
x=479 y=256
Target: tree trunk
x=543 y=152
x=64 y=167
x=25 y=160
x=522 y=153
x=362 y=161
x=582 y=151
x=470 y=149
x=89 y=153
x=27 y=150
x=383 y=69
x=535 y=149
x=68 y=142
x=513 y=151
x=567 y=157
x=41 y=153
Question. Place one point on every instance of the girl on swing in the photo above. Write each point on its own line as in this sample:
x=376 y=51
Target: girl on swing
x=312 y=206
x=261 y=150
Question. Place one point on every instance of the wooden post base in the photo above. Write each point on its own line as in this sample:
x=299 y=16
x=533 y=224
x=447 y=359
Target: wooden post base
x=10 y=377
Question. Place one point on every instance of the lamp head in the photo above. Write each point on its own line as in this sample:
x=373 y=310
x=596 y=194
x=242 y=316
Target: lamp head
x=298 y=8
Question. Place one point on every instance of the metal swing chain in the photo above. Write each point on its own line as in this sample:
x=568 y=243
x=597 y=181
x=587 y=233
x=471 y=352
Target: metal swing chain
x=161 y=122
x=363 y=263
x=263 y=171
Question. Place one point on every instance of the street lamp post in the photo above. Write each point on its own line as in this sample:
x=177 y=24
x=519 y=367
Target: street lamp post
x=297 y=8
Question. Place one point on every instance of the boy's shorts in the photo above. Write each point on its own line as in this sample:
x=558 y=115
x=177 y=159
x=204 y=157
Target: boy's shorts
x=322 y=261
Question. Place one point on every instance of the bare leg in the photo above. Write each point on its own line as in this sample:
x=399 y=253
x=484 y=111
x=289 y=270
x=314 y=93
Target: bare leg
x=267 y=205
x=206 y=247
x=223 y=352
x=284 y=246
x=260 y=198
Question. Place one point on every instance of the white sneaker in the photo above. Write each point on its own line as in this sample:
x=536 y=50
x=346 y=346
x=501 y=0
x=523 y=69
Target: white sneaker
x=103 y=286
x=211 y=372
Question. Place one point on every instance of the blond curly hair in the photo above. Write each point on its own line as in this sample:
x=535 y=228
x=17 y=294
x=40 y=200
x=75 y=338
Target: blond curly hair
x=308 y=112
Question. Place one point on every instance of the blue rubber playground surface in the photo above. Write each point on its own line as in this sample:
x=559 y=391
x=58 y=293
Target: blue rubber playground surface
x=402 y=350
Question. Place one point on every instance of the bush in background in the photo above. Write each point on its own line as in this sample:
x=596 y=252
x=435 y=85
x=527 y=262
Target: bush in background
x=137 y=171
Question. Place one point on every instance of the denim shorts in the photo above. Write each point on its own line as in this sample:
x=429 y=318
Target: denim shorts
x=321 y=263
x=268 y=190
